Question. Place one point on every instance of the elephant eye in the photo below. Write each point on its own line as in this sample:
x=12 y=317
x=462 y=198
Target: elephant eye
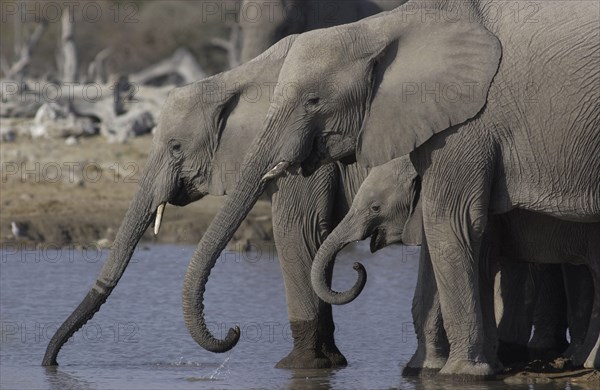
x=375 y=208
x=312 y=101
x=175 y=147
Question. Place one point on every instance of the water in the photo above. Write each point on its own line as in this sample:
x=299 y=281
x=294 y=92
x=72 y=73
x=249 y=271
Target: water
x=138 y=339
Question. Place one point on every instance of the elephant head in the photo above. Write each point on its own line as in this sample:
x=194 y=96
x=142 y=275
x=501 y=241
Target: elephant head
x=202 y=134
x=387 y=209
x=357 y=89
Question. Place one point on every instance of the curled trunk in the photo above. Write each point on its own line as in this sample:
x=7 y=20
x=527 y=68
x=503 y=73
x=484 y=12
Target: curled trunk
x=324 y=260
x=221 y=230
x=136 y=221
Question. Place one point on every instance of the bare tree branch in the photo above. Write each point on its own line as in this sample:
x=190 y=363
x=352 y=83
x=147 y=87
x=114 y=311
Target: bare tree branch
x=182 y=62
x=69 y=50
x=19 y=68
x=96 y=69
x=231 y=46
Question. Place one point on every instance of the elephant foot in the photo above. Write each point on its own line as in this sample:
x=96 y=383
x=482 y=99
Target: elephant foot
x=307 y=359
x=511 y=353
x=425 y=362
x=573 y=349
x=578 y=358
x=334 y=355
x=468 y=370
x=421 y=372
x=548 y=348
x=593 y=359
x=545 y=354
x=310 y=351
x=582 y=358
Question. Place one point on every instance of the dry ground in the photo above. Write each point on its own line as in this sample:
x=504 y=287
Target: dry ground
x=64 y=195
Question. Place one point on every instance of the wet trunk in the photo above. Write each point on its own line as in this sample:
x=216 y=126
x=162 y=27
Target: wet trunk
x=136 y=221
x=221 y=230
x=324 y=261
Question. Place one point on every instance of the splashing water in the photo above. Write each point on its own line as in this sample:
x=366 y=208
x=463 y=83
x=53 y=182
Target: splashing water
x=215 y=374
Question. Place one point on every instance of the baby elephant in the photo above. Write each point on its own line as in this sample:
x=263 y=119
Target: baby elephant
x=388 y=195
x=387 y=209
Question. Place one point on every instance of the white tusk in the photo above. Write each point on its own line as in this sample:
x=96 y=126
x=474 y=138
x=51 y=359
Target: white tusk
x=277 y=171
x=159 y=214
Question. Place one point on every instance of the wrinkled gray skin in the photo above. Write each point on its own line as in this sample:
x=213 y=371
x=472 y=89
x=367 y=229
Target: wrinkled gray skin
x=386 y=210
x=510 y=240
x=265 y=23
x=198 y=149
x=362 y=89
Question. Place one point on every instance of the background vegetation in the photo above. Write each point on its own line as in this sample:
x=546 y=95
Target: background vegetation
x=139 y=33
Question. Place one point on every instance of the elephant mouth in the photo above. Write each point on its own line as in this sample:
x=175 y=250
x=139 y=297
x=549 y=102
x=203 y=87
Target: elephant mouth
x=315 y=159
x=185 y=194
x=377 y=240
x=182 y=199
x=309 y=166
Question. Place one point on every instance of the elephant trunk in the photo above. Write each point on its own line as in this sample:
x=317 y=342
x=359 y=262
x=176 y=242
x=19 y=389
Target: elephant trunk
x=221 y=230
x=139 y=216
x=324 y=259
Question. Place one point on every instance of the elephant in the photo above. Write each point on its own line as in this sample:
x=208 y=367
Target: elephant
x=531 y=297
x=385 y=208
x=265 y=23
x=496 y=112
x=203 y=133
x=388 y=201
x=522 y=235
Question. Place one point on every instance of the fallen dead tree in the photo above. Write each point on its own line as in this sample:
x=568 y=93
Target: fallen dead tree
x=181 y=64
x=116 y=106
x=120 y=108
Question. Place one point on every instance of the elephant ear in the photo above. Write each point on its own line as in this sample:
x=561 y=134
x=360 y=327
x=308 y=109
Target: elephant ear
x=434 y=74
x=277 y=51
x=413 y=228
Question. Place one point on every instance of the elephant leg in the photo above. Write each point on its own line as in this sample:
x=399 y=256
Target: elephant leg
x=587 y=355
x=550 y=313
x=301 y=221
x=579 y=287
x=488 y=270
x=515 y=298
x=454 y=229
x=432 y=344
x=593 y=360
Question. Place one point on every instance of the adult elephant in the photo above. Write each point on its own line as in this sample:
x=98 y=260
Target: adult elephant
x=386 y=209
x=203 y=133
x=416 y=80
x=264 y=23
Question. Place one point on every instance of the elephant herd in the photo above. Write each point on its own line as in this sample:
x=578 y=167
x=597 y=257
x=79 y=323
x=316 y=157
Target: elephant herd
x=451 y=124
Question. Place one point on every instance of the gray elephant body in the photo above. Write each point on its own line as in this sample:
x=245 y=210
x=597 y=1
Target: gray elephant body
x=387 y=201
x=531 y=296
x=523 y=236
x=511 y=240
x=497 y=112
x=203 y=134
